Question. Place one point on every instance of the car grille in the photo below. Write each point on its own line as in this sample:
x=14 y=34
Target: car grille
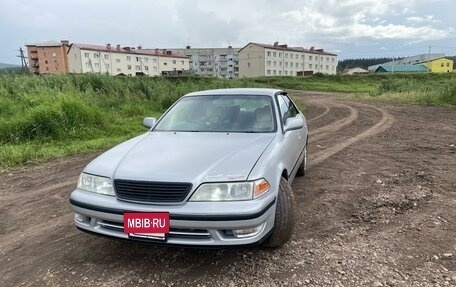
x=173 y=232
x=146 y=191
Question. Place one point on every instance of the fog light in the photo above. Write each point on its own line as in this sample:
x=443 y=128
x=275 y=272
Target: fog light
x=248 y=232
x=79 y=217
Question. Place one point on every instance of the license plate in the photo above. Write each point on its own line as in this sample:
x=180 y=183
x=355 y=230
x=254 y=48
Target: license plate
x=150 y=225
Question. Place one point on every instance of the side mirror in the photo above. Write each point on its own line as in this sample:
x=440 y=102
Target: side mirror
x=149 y=122
x=294 y=124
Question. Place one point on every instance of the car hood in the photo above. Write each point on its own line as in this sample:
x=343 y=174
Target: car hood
x=183 y=157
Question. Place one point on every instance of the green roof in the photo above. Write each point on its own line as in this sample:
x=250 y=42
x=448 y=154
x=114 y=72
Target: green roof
x=401 y=68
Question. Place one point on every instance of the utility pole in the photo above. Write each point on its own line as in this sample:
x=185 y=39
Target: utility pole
x=392 y=68
x=429 y=60
x=23 y=58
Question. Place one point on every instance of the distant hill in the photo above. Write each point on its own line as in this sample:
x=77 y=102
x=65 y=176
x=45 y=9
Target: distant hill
x=3 y=66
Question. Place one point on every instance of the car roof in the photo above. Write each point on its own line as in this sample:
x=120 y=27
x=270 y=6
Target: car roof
x=235 y=91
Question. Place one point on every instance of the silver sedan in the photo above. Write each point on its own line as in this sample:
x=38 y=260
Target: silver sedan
x=214 y=170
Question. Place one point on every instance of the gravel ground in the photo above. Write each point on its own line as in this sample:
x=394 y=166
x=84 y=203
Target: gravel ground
x=376 y=208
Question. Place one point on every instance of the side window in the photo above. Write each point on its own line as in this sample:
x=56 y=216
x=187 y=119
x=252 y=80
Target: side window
x=291 y=107
x=287 y=108
x=283 y=108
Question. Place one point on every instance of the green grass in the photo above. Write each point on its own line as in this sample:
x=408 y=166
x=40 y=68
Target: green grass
x=425 y=89
x=52 y=116
x=45 y=117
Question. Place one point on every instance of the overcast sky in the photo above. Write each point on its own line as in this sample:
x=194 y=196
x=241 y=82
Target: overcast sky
x=351 y=28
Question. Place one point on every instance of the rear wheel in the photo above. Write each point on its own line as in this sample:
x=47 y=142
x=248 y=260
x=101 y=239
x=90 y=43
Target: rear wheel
x=284 y=216
x=303 y=167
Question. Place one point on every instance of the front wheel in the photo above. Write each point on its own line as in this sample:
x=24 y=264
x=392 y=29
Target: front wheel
x=284 y=216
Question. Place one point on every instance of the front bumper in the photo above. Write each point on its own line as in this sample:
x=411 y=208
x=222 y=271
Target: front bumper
x=193 y=223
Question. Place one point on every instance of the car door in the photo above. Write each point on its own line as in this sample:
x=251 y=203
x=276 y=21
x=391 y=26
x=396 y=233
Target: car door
x=293 y=141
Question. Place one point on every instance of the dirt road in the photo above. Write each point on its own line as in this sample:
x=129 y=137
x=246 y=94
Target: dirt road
x=376 y=208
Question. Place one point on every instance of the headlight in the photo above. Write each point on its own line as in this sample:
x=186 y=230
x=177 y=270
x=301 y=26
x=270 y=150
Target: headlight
x=97 y=184
x=230 y=191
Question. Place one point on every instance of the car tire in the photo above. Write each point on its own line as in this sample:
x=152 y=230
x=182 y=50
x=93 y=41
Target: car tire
x=303 y=166
x=284 y=216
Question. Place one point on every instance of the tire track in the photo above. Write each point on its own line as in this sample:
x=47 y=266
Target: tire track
x=326 y=111
x=319 y=133
x=382 y=125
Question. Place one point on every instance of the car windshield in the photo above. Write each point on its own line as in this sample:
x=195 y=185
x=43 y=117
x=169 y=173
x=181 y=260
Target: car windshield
x=237 y=113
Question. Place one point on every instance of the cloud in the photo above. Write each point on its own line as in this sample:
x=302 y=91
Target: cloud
x=358 y=26
x=424 y=19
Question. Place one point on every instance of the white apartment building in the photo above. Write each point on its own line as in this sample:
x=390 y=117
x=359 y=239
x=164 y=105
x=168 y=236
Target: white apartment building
x=256 y=60
x=129 y=61
x=212 y=62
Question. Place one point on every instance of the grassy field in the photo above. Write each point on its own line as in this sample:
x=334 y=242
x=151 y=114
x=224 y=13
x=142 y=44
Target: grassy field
x=48 y=117
x=52 y=116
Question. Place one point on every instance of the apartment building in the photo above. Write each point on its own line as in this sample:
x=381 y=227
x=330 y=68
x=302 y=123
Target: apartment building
x=212 y=62
x=128 y=61
x=256 y=60
x=48 y=57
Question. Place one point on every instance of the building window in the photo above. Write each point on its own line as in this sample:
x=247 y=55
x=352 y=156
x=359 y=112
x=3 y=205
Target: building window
x=275 y=64
x=47 y=62
x=310 y=66
x=310 y=58
x=327 y=59
x=321 y=67
x=86 y=55
x=280 y=54
x=248 y=65
x=119 y=69
x=54 y=54
x=182 y=62
x=128 y=58
x=332 y=60
x=117 y=60
x=296 y=65
x=280 y=72
x=441 y=65
x=138 y=68
x=296 y=56
x=286 y=73
x=268 y=53
x=106 y=56
x=97 y=65
x=274 y=54
x=286 y=64
x=280 y=63
x=88 y=65
x=146 y=68
x=107 y=66
x=138 y=59
x=174 y=62
x=268 y=63
x=274 y=72
x=448 y=64
x=165 y=63
x=96 y=56
x=286 y=55
x=268 y=72
x=327 y=67
x=129 y=67
x=145 y=60
x=154 y=60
